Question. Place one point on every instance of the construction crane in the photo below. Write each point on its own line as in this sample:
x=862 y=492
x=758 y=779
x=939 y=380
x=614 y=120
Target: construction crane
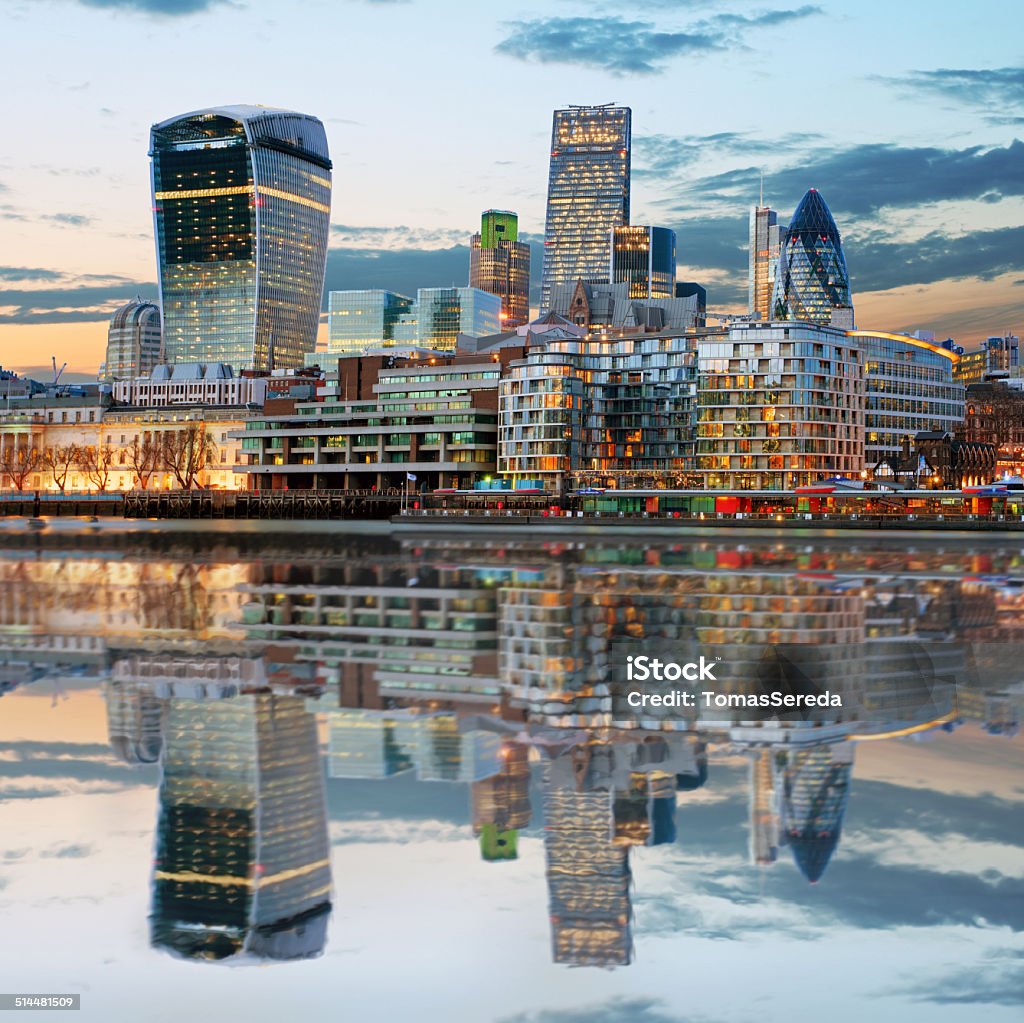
x=57 y=372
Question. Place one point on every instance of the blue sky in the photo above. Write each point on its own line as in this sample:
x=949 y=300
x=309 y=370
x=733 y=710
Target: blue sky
x=906 y=116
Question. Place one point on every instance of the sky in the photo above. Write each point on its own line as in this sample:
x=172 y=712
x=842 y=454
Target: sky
x=917 y=918
x=908 y=117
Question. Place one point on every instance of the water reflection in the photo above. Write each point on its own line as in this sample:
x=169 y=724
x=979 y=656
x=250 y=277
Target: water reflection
x=249 y=672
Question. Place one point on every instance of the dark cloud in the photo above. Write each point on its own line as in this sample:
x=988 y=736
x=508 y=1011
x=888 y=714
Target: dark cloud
x=631 y=47
x=995 y=981
x=68 y=219
x=28 y=273
x=864 y=179
x=663 y=155
x=68 y=852
x=81 y=299
x=610 y=44
x=997 y=89
x=617 y=1010
x=876 y=264
x=163 y=8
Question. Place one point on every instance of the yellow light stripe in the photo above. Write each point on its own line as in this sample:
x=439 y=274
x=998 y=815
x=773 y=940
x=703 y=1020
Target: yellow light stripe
x=206 y=193
x=226 y=880
x=917 y=342
x=279 y=193
x=913 y=729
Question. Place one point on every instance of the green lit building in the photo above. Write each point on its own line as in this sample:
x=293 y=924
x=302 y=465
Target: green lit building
x=500 y=264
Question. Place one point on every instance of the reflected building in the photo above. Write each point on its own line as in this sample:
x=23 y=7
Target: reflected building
x=812 y=283
x=815 y=789
x=242 y=203
x=242 y=853
x=501 y=804
x=588 y=193
x=135 y=722
x=588 y=873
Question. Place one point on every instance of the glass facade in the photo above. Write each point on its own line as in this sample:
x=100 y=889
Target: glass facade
x=780 y=407
x=811 y=280
x=241 y=204
x=441 y=314
x=588 y=193
x=910 y=388
x=357 y=320
x=134 y=341
x=500 y=263
x=645 y=259
x=765 y=236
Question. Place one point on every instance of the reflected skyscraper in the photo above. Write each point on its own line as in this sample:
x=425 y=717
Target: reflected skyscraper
x=812 y=282
x=242 y=854
x=588 y=193
x=501 y=804
x=241 y=205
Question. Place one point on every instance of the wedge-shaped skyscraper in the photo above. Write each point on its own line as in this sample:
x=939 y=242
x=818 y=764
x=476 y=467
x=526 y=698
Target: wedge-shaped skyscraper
x=588 y=194
x=241 y=204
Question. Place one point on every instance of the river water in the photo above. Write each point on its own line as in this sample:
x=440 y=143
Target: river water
x=340 y=772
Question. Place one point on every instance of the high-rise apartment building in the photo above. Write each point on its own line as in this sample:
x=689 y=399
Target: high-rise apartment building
x=242 y=202
x=134 y=341
x=645 y=259
x=765 y=236
x=361 y=320
x=500 y=263
x=588 y=193
x=812 y=283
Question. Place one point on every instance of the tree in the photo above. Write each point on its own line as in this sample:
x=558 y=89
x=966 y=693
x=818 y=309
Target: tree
x=187 y=452
x=143 y=459
x=59 y=459
x=96 y=462
x=19 y=462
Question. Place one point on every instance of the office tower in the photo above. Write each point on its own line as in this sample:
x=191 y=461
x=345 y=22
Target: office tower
x=645 y=259
x=815 y=790
x=691 y=289
x=764 y=808
x=501 y=804
x=134 y=341
x=241 y=205
x=242 y=853
x=812 y=283
x=500 y=263
x=765 y=236
x=588 y=193
x=441 y=314
x=361 y=320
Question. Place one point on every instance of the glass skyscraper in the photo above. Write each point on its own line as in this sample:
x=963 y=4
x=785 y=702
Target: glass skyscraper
x=500 y=263
x=588 y=193
x=645 y=259
x=811 y=281
x=765 y=237
x=241 y=204
x=358 y=320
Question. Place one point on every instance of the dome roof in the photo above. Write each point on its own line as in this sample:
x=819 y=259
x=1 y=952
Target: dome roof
x=812 y=215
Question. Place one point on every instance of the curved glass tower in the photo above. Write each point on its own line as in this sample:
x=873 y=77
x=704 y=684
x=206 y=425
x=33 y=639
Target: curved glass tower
x=812 y=279
x=241 y=204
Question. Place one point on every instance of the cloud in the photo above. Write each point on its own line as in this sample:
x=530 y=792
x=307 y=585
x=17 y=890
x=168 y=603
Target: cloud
x=66 y=852
x=162 y=8
x=864 y=179
x=994 y=88
x=994 y=981
x=65 y=298
x=28 y=273
x=624 y=47
x=662 y=155
x=617 y=1010
x=398 y=237
x=68 y=219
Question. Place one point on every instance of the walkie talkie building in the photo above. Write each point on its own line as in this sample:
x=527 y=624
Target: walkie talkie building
x=241 y=204
x=588 y=194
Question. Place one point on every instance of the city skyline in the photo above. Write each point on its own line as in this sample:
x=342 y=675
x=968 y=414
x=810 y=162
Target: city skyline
x=922 y=169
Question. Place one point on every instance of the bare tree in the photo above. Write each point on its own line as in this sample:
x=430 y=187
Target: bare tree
x=19 y=462
x=96 y=462
x=187 y=452
x=143 y=459
x=60 y=459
